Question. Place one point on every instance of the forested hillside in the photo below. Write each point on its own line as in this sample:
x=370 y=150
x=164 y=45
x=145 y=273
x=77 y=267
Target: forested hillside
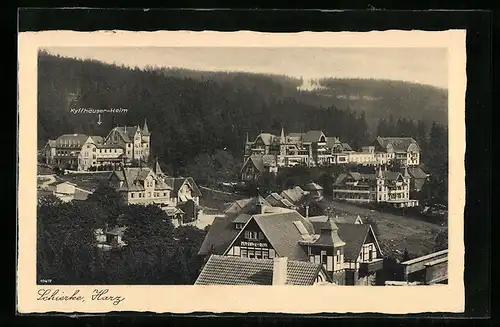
x=193 y=112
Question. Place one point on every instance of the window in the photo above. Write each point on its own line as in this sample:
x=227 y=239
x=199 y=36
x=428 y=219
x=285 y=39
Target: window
x=239 y=226
x=258 y=253
x=272 y=253
x=265 y=254
x=149 y=194
x=132 y=195
x=367 y=252
x=338 y=256
x=251 y=253
x=251 y=235
x=244 y=252
x=236 y=250
x=323 y=257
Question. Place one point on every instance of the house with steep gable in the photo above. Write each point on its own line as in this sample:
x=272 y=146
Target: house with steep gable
x=134 y=141
x=404 y=150
x=140 y=186
x=267 y=235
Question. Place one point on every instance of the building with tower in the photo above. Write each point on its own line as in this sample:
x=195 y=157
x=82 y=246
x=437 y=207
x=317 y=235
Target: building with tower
x=123 y=146
x=382 y=186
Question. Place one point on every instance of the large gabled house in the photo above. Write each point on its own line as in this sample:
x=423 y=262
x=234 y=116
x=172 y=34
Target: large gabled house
x=134 y=141
x=286 y=233
x=141 y=186
x=144 y=185
x=384 y=186
x=404 y=150
x=121 y=146
x=312 y=148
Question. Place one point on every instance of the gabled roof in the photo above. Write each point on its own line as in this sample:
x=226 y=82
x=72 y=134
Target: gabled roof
x=261 y=161
x=267 y=138
x=282 y=233
x=331 y=141
x=391 y=175
x=97 y=139
x=294 y=194
x=74 y=141
x=312 y=187
x=248 y=206
x=275 y=199
x=417 y=173
x=354 y=236
x=133 y=179
x=398 y=143
x=312 y=136
x=195 y=191
x=220 y=234
x=126 y=132
x=346 y=147
x=231 y=270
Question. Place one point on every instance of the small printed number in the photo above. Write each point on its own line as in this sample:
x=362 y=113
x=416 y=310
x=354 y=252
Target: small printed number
x=45 y=281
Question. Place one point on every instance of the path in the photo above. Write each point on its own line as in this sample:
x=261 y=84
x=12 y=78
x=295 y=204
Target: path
x=52 y=179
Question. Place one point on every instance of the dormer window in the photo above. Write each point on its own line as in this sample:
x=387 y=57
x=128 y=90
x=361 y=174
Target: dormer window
x=238 y=225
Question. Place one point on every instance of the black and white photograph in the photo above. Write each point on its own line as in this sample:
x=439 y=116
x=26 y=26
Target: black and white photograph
x=241 y=166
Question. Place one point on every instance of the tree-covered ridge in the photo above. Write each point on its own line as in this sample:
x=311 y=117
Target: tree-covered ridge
x=186 y=116
x=383 y=98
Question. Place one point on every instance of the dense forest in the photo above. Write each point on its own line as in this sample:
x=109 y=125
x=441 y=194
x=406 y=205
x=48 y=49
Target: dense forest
x=196 y=113
x=67 y=251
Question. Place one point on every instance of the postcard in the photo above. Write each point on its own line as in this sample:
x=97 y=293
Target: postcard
x=240 y=172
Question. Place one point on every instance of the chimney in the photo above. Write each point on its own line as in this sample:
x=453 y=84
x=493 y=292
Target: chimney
x=280 y=270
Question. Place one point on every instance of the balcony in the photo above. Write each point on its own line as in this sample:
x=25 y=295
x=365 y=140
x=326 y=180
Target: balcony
x=369 y=267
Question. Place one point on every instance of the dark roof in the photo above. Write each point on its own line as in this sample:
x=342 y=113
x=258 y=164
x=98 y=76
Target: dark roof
x=391 y=175
x=242 y=219
x=312 y=136
x=157 y=169
x=248 y=206
x=220 y=234
x=176 y=183
x=353 y=235
x=346 y=147
x=331 y=141
x=267 y=138
x=97 y=139
x=294 y=194
x=74 y=141
x=195 y=190
x=417 y=173
x=231 y=270
x=356 y=176
x=398 y=143
x=277 y=200
x=312 y=187
x=261 y=161
x=117 y=230
x=126 y=132
x=282 y=233
x=134 y=178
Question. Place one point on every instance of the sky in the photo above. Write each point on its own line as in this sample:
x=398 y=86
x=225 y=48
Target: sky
x=419 y=65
